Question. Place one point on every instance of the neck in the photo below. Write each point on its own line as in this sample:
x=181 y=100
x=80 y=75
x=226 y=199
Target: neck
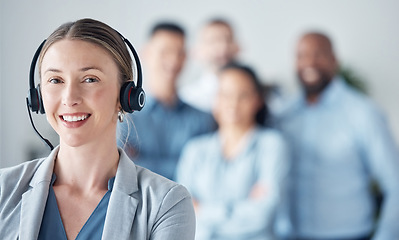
x=87 y=167
x=313 y=95
x=213 y=68
x=312 y=98
x=165 y=93
x=233 y=138
x=166 y=99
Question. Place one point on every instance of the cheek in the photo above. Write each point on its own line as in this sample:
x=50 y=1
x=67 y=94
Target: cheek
x=300 y=67
x=250 y=107
x=224 y=102
x=50 y=100
x=106 y=98
x=180 y=62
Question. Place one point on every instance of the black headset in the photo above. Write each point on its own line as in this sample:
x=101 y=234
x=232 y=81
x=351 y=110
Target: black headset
x=132 y=97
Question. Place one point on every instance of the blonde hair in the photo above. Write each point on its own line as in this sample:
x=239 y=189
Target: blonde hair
x=99 y=33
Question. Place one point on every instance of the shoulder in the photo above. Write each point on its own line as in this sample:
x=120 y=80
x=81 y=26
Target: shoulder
x=273 y=151
x=167 y=202
x=361 y=102
x=291 y=108
x=205 y=138
x=159 y=187
x=169 y=206
x=271 y=144
x=360 y=107
x=147 y=185
x=270 y=136
x=193 y=111
x=14 y=182
x=18 y=175
x=202 y=142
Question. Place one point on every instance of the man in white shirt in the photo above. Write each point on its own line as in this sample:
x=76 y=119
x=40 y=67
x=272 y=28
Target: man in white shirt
x=216 y=46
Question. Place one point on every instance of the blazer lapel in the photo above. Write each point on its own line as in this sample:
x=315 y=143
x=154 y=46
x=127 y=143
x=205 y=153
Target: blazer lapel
x=34 y=200
x=120 y=216
x=122 y=204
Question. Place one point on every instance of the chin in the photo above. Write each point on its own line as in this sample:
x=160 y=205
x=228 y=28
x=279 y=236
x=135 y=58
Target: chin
x=73 y=141
x=231 y=122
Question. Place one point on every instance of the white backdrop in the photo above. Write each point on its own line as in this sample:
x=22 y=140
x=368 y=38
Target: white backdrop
x=365 y=33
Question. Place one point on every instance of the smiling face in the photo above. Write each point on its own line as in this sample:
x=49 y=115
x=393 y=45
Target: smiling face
x=315 y=63
x=165 y=58
x=80 y=91
x=238 y=101
x=217 y=45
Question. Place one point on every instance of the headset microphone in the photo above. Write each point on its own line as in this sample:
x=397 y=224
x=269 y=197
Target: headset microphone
x=33 y=100
x=132 y=96
x=33 y=125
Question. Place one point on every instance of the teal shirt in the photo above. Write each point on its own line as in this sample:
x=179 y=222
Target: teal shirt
x=158 y=133
x=53 y=228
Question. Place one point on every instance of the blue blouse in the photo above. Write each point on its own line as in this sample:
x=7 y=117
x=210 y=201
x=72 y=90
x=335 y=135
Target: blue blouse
x=53 y=228
x=223 y=188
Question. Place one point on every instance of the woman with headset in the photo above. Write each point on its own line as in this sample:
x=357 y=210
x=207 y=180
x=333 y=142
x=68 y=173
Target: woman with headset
x=236 y=174
x=87 y=188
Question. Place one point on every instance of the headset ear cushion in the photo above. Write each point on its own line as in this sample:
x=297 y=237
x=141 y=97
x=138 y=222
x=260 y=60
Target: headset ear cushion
x=35 y=100
x=131 y=98
x=124 y=96
x=40 y=99
x=137 y=99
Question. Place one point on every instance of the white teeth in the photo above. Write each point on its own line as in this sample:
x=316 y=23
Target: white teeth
x=74 y=118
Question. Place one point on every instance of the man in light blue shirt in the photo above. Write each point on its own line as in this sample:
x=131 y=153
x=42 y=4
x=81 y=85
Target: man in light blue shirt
x=155 y=136
x=340 y=143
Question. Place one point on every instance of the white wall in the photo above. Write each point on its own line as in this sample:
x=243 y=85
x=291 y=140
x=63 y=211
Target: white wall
x=365 y=33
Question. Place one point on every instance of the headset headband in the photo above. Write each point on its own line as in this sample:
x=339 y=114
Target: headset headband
x=139 y=82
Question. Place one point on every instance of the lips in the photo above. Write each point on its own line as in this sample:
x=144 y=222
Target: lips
x=74 y=120
x=310 y=75
x=69 y=118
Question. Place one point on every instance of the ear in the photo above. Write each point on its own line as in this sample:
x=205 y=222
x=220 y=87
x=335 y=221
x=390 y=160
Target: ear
x=260 y=103
x=235 y=49
x=118 y=106
x=335 y=63
x=185 y=56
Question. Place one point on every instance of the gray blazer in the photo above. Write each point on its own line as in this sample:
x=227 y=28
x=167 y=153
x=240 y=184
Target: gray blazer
x=142 y=205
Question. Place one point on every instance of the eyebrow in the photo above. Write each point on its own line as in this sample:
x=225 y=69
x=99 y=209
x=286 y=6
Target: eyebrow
x=90 y=68
x=81 y=70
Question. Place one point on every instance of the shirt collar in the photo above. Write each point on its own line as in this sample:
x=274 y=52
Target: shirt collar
x=126 y=172
x=330 y=94
x=110 y=182
x=333 y=92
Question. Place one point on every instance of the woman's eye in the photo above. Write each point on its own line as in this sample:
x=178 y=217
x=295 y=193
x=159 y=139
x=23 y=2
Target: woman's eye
x=54 y=80
x=91 y=80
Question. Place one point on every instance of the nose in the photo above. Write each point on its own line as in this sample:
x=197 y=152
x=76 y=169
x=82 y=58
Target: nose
x=307 y=60
x=173 y=62
x=71 y=95
x=232 y=102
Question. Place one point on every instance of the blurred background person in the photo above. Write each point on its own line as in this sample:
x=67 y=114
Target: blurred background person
x=341 y=143
x=216 y=46
x=166 y=123
x=235 y=175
